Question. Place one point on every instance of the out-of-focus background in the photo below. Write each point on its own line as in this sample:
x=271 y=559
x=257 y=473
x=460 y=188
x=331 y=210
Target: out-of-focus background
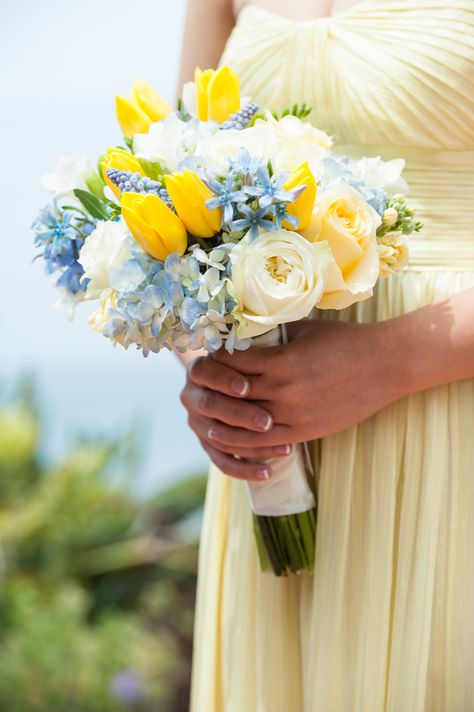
x=101 y=483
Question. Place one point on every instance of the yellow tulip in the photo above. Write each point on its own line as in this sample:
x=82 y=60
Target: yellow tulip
x=218 y=94
x=302 y=208
x=189 y=195
x=155 y=227
x=142 y=108
x=121 y=159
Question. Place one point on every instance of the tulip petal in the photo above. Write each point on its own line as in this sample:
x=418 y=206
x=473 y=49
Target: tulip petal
x=122 y=160
x=149 y=101
x=131 y=118
x=223 y=94
x=302 y=207
x=189 y=194
x=202 y=80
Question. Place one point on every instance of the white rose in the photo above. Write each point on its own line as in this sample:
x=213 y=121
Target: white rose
x=297 y=142
x=216 y=150
x=344 y=220
x=171 y=140
x=106 y=249
x=276 y=278
x=382 y=175
x=68 y=175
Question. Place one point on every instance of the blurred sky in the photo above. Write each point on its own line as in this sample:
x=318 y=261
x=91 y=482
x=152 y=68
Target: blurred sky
x=61 y=65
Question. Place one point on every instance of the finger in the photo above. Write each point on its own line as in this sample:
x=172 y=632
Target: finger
x=252 y=361
x=205 y=371
x=221 y=434
x=233 y=411
x=201 y=428
x=241 y=469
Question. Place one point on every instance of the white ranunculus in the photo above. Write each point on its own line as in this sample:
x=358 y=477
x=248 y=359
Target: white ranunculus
x=106 y=249
x=68 y=175
x=297 y=142
x=172 y=140
x=382 y=175
x=276 y=278
x=216 y=150
x=348 y=224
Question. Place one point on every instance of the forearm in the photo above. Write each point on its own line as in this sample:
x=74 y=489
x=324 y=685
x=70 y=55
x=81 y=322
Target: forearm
x=432 y=345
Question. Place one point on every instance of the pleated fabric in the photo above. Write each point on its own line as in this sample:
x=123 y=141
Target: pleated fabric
x=386 y=623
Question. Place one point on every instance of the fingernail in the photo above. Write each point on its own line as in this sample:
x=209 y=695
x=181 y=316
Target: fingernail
x=263 y=421
x=240 y=386
x=263 y=473
x=212 y=434
x=283 y=449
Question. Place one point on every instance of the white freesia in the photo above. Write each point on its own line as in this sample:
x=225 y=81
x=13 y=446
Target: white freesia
x=276 y=278
x=382 y=175
x=297 y=142
x=172 y=140
x=106 y=249
x=216 y=150
x=68 y=174
x=344 y=220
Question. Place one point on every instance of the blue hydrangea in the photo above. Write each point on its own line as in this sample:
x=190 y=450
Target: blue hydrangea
x=337 y=169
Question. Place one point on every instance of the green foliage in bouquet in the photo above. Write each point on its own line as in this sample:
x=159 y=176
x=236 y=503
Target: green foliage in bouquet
x=96 y=606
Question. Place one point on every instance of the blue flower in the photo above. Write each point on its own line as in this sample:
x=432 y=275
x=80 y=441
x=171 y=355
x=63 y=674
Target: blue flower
x=226 y=196
x=268 y=189
x=245 y=164
x=253 y=220
x=282 y=214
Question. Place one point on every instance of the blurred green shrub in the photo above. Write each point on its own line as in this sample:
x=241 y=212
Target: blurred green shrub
x=97 y=596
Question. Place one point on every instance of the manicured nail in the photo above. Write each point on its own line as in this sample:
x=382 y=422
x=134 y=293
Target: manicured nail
x=263 y=421
x=212 y=434
x=283 y=449
x=263 y=473
x=240 y=386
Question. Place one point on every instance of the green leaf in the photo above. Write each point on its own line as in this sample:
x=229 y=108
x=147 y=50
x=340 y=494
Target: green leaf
x=96 y=184
x=153 y=169
x=93 y=205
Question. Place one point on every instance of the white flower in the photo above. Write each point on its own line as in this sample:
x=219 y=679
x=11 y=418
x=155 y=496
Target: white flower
x=276 y=278
x=382 y=175
x=172 y=140
x=216 y=150
x=390 y=217
x=106 y=249
x=297 y=142
x=393 y=252
x=344 y=220
x=68 y=175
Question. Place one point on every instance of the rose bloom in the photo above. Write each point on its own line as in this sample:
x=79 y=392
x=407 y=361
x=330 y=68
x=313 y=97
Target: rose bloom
x=106 y=249
x=297 y=142
x=275 y=279
x=344 y=220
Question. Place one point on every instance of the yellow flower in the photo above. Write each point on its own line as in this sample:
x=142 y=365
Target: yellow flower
x=155 y=227
x=189 y=194
x=121 y=159
x=143 y=107
x=303 y=206
x=218 y=94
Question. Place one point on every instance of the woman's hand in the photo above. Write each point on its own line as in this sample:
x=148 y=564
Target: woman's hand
x=256 y=403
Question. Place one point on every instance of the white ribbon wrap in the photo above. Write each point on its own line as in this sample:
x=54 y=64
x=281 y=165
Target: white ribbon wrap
x=288 y=490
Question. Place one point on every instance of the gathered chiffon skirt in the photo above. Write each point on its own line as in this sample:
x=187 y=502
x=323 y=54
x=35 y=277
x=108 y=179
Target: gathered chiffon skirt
x=386 y=622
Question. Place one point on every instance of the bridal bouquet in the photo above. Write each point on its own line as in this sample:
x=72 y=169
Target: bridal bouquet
x=213 y=226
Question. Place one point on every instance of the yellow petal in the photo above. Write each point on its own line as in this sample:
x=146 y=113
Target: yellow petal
x=149 y=101
x=202 y=80
x=154 y=225
x=131 y=118
x=303 y=206
x=189 y=194
x=223 y=94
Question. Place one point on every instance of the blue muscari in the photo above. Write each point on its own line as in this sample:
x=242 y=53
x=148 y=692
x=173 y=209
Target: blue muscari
x=241 y=119
x=130 y=182
x=61 y=243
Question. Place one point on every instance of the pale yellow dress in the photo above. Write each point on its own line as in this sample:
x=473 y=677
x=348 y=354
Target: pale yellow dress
x=386 y=623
